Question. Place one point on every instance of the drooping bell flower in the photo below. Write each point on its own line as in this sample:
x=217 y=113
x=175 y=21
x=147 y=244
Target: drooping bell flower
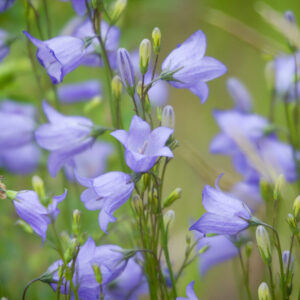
x=220 y=248
x=79 y=92
x=254 y=153
x=108 y=258
x=30 y=208
x=64 y=137
x=190 y=69
x=18 y=151
x=129 y=285
x=90 y=163
x=106 y=192
x=110 y=35
x=5 y=5
x=225 y=214
x=59 y=55
x=190 y=293
x=143 y=146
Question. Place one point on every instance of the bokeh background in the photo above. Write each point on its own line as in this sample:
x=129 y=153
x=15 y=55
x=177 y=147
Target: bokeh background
x=21 y=256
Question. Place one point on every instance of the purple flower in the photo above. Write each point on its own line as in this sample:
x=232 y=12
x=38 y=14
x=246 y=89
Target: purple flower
x=90 y=163
x=220 y=249
x=107 y=192
x=193 y=69
x=142 y=145
x=4 y=44
x=255 y=154
x=110 y=35
x=129 y=285
x=248 y=192
x=285 y=72
x=190 y=293
x=82 y=91
x=31 y=210
x=225 y=214
x=59 y=56
x=5 y=5
x=18 y=152
x=110 y=260
x=126 y=69
x=64 y=137
x=240 y=95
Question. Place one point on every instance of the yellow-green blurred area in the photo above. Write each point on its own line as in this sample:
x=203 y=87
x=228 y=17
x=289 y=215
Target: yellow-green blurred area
x=22 y=257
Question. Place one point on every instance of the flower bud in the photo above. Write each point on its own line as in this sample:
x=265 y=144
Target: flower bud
x=287 y=261
x=118 y=8
x=289 y=16
x=92 y=105
x=292 y=223
x=26 y=227
x=2 y=190
x=70 y=252
x=137 y=204
x=168 y=117
x=270 y=74
x=249 y=248
x=266 y=190
x=116 y=86
x=264 y=244
x=38 y=186
x=176 y=194
x=264 y=292
x=203 y=249
x=296 y=208
x=139 y=88
x=145 y=181
x=60 y=271
x=156 y=36
x=278 y=186
x=126 y=70
x=97 y=273
x=4 y=298
x=188 y=239
x=68 y=274
x=169 y=217
x=145 y=55
x=76 y=222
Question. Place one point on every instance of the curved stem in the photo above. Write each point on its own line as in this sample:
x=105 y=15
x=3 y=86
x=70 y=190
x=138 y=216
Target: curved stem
x=27 y=287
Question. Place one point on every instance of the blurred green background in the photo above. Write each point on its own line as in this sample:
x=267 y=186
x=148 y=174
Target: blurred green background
x=21 y=255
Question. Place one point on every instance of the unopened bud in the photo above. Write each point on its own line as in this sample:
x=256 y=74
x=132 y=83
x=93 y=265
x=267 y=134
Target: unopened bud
x=118 y=8
x=76 y=222
x=126 y=70
x=168 y=117
x=288 y=262
x=249 y=248
x=270 y=74
x=176 y=194
x=145 y=181
x=169 y=217
x=68 y=274
x=97 y=273
x=39 y=188
x=26 y=227
x=292 y=223
x=139 y=89
x=116 y=86
x=2 y=190
x=137 y=203
x=156 y=36
x=4 y=298
x=296 y=208
x=145 y=55
x=60 y=271
x=70 y=252
x=188 y=239
x=264 y=292
x=203 y=249
x=278 y=186
x=264 y=244
x=92 y=105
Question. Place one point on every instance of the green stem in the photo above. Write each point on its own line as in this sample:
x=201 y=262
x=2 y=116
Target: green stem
x=245 y=276
x=27 y=287
x=47 y=18
x=271 y=282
